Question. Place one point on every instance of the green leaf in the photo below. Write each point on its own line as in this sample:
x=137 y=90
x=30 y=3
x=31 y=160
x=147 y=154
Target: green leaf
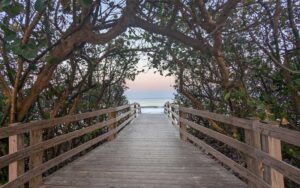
x=28 y=53
x=65 y=4
x=16 y=47
x=43 y=43
x=86 y=3
x=227 y=96
x=4 y=3
x=32 y=66
x=9 y=35
x=40 y=5
x=297 y=82
x=13 y=9
x=51 y=59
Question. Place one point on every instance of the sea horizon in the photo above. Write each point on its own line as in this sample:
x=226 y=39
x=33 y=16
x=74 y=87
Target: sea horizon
x=151 y=105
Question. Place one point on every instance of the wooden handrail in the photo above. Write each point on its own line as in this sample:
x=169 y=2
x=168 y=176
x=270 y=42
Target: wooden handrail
x=123 y=114
x=262 y=145
x=286 y=135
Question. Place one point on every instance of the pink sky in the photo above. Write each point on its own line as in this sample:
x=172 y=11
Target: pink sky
x=150 y=85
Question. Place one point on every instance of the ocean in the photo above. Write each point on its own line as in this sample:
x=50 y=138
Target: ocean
x=151 y=106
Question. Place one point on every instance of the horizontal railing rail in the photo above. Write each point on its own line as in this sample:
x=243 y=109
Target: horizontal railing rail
x=262 y=145
x=114 y=119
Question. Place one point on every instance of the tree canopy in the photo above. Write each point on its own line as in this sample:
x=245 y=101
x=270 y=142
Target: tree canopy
x=229 y=56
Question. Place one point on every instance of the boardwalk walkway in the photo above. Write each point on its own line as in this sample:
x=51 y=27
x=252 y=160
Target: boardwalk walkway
x=147 y=153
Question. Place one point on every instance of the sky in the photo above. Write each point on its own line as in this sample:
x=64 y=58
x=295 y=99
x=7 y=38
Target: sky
x=150 y=85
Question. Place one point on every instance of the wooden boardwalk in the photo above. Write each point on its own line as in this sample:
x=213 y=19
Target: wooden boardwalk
x=147 y=153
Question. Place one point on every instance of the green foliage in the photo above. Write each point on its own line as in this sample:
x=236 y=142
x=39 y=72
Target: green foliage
x=297 y=82
x=40 y=5
x=52 y=60
x=86 y=3
x=66 y=5
x=12 y=8
x=9 y=35
x=227 y=96
x=28 y=51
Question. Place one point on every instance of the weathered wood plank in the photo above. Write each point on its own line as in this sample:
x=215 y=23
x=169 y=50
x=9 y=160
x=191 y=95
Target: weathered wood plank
x=288 y=170
x=254 y=179
x=19 y=128
x=273 y=147
x=254 y=164
x=239 y=122
x=147 y=153
x=112 y=126
x=36 y=159
x=41 y=124
x=283 y=134
x=16 y=168
x=53 y=162
x=38 y=147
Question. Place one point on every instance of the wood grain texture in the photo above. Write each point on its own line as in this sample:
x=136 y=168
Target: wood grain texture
x=242 y=171
x=39 y=147
x=268 y=129
x=19 y=128
x=284 y=168
x=36 y=159
x=147 y=153
x=55 y=161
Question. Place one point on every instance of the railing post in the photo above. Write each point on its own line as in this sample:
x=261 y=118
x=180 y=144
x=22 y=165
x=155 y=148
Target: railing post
x=253 y=139
x=140 y=109
x=112 y=115
x=182 y=126
x=36 y=159
x=273 y=147
x=135 y=107
x=15 y=143
x=172 y=117
x=166 y=109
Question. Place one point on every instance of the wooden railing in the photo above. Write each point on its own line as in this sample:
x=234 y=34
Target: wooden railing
x=112 y=121
x=261 y=146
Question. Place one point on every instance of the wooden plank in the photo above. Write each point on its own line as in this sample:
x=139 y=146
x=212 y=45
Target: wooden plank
x=169 y=111
x=135 y=109
x=175 y=106
x=112 y=115
x=124 y=115
x=228 y=162
x=147 y=153
x=36 y=148
x=122 y=125
x=36 y=159
x=15 y=143
x=254 y=164
x=41 y=124
x=53 y=162
x=238 y=122
x=283 y=134
x=175 y=115
x=182 y=126
x=286 y=169
x=122 y=107
x=276 y=178
x=273 y=147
